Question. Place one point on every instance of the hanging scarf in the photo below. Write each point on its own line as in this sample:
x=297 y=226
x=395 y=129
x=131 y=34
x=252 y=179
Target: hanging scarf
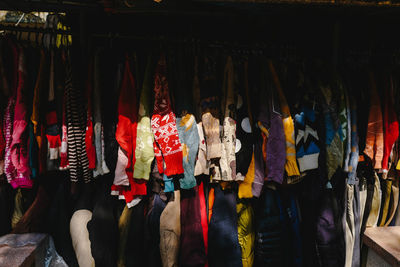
x=163 y=123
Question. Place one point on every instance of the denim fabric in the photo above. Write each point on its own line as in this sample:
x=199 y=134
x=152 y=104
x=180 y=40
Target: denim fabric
x=223 y=242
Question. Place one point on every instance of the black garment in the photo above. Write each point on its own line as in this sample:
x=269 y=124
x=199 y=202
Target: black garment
x=6 y=206
x=223 y=242
x=134 y=249
x=309 y=192
x=244 y=136
x=329 y=239
x=271 y=243
x=152 y=231
x=103 y=227
x=59 y=215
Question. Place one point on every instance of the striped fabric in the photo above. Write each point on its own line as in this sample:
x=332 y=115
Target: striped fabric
x=76 y=124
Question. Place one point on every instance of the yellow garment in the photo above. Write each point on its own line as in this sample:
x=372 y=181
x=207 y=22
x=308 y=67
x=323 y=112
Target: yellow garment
x=291 y=167
x=246 y=234
x=123 y=225
x=18 y=209
x=144 y=152
x=245 y=187
x=395 y=202
x=36 y=96
x=376 y=204
x=398 y=165
x=385 y=208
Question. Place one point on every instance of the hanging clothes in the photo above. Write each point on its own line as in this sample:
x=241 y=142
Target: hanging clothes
x=228 y=160
x=291 y=167
x=124 y=184
x=390 y=127
x=167 y=146
x=76 y=125
x=144 y=141
x=18 y=147
x=374 y=147
x=189 y=138
x=101 y=166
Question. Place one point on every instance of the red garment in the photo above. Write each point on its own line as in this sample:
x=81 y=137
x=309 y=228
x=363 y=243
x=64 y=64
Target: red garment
x=391 y=127
x=126 y=136
x=203 y=213
x=90 y=148
x=163 y=124
x=19 y=144
x=64 y=164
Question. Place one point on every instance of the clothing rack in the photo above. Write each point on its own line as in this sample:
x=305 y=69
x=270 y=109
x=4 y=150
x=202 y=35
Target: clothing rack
x=11 y=28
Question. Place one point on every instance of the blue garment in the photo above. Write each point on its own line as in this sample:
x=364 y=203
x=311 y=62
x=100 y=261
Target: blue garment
x=270 y=231
x=168 y=184
x=189 y=138
x=223 y=241
x=33 y=152
x=354 y=154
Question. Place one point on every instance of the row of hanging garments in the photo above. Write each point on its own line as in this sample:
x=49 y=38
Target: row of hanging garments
x=218 y=159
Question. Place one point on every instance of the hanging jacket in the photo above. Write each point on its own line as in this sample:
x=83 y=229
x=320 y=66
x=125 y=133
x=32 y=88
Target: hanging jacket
x=18 y=147
x=291 y=167
x=223 y=243
x=391 y=127
x=246 y=232
x=307 y=150
x=270 y=122
x=375 y=142
x=270 y=241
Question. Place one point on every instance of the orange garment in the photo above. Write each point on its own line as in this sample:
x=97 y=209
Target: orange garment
x=374 y=141
x=210 y=203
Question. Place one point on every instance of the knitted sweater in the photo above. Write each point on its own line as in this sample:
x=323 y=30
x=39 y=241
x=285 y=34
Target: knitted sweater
x=163 y=123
